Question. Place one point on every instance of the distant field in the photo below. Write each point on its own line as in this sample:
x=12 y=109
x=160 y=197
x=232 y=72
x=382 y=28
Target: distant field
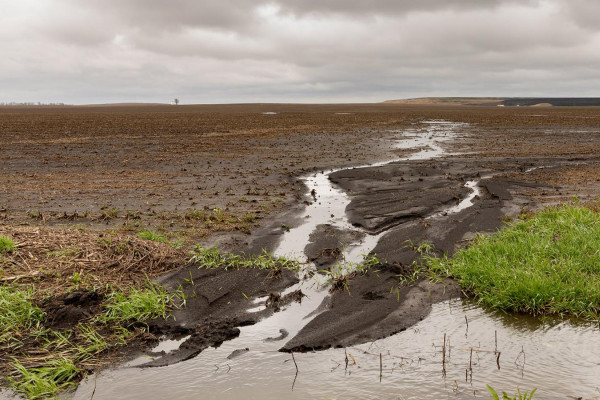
x=156 y=167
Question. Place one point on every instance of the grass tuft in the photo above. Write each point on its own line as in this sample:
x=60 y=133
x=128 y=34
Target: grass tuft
x=213 y=258
x=547 y=264
x=505 y=396
x=7 y=245
x=341 y=272
x=17 y=312
x=150 y=235
x=138 y=305
x=44 y=382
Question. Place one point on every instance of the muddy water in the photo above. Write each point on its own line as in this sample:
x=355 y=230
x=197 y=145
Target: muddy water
x=558 y=358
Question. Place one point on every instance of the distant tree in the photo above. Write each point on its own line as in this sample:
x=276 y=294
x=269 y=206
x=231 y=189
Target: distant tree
x=176 y=101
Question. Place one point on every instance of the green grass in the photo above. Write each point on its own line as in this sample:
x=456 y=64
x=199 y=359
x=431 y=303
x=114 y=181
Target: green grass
x=177 y=244
x=339 y=273
x=110 y=213
x=343 y=267
x=213 y=258
x=17 y=312
x=40 y=362
x=94 y=343
x=157 y=237
x=249 y=218
x=68 y=355
x=548 y=264
x=138 y=305
x=195 y=214
x=7 y=245
x=505 y=396
x=150 y=235
x=46 y=381
x=62 y=358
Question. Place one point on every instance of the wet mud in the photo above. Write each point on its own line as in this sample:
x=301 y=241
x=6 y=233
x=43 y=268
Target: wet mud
x=217 y=303
x=403 y=203
x=408 y=202
x=405 y=199
x=388 y=195
x=67 y=310
x=408 y=199
x=327 y=242
x=372 y=307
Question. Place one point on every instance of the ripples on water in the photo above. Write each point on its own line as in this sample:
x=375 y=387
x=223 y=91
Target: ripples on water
x=558 y=358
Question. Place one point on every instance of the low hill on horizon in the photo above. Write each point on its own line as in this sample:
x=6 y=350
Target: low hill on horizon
x=502 y=101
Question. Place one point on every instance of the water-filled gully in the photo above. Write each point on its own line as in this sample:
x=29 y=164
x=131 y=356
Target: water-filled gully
x=556 y=357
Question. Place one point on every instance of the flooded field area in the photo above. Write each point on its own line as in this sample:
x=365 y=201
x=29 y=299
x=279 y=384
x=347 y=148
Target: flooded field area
x=357 y=194
x=454 y=352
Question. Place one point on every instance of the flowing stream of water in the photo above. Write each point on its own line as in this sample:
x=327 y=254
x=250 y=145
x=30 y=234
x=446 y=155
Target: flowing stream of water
x=554 y=357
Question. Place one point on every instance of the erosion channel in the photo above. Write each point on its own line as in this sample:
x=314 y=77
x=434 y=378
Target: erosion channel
x=373 y=338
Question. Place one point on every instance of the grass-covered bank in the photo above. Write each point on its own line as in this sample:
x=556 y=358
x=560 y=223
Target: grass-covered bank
x=41 y=360
x=69 y=300
x=545 y=264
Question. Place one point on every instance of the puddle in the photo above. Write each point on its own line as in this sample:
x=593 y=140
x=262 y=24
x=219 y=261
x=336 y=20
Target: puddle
x=532 y=355
x=163 y=347
x=168 y=345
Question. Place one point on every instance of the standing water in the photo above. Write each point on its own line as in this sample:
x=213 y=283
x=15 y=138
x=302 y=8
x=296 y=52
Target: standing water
x=557 y=358
x=481 y=348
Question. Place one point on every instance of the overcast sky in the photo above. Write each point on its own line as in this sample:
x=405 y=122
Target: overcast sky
x=97 y=51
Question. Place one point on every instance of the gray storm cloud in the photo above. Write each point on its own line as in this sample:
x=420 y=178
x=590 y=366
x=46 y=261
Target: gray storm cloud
x=327 y=50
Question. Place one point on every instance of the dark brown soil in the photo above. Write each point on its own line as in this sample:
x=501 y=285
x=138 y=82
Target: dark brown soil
x=68 y=309
x=404 y=197
x=385 y=196
x=327 y=242
x=369 y=309
x=153 y=167
x=149 y=167
x=216 y=305
x=211 y=334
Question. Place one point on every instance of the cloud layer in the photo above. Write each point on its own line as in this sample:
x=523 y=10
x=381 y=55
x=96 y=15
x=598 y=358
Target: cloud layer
x=314 y=50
